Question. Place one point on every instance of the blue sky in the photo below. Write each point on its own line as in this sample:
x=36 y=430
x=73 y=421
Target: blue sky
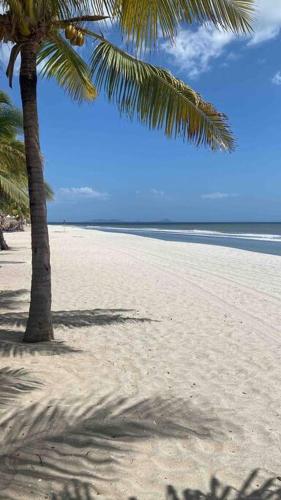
x=102 y=166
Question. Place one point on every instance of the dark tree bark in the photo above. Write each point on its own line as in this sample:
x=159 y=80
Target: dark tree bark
x=3 y=244
x=39 y=325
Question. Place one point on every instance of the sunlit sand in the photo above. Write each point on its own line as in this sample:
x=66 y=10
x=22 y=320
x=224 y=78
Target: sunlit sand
x=165 y=370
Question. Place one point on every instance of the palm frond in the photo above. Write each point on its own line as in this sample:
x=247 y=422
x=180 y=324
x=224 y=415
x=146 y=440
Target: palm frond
x=4 y=99
x=12 y=61
x=42 y=9
x=10 y=122
x=49 y=192
x=143 y=21
x=13 y=173
x=11 y=190
x=59 y=60
x=12 y=158
x=13 y=185
x=157 y=98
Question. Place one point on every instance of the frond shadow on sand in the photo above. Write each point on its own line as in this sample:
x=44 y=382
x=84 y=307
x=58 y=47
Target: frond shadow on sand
x=255 y=487
x=14 y=382
x=78 y=318
x=11 y=345
x=11 y=299
x=45 y=445
x=11 y=338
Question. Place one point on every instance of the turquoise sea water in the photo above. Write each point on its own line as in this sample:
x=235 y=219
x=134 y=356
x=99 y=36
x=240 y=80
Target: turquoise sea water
x=254 y=237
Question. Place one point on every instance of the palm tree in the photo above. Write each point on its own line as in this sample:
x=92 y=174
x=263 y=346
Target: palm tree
x=14 y=197
x=45 y=31
x=12 y=161
x=13 y=173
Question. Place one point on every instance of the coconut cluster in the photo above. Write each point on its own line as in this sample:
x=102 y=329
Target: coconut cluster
x=75 y=36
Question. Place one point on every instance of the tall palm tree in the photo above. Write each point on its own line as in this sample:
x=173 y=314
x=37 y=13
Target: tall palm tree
x=45 y=31
x=12 y=160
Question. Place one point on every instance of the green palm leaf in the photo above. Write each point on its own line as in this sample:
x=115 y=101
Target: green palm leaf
x=12 y=158
x=11 y=190
x=10 y=121
x=143 y=21
x=41 y=9
x=49 y=192
x=13 y=174
x=59 y=60
x=4 y=99
x=157 y=98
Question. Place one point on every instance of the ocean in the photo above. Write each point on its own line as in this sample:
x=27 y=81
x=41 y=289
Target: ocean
x=253 y=237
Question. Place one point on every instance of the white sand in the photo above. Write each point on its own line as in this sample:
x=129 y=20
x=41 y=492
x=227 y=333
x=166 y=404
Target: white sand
x=169 y=373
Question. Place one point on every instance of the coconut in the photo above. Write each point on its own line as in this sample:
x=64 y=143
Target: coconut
x=80 y=39
x=70 y=32
x=74 y=36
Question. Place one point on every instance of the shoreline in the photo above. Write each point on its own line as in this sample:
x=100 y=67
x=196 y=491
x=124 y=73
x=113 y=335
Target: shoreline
x=181 y=340
x=253 y=242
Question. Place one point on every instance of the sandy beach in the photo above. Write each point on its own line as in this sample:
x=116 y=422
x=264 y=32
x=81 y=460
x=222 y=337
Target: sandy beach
x=165 y=371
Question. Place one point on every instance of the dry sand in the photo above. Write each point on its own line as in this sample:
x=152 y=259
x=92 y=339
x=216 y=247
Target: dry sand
x=168 y=372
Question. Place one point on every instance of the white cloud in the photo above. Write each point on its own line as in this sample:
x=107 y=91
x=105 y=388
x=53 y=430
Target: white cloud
x=233 y=56
x=158 y=193
x=195 y=51
x=152 y=192
x=277 y=78
x=267 y=24
x=218 y=196
x=83 y=192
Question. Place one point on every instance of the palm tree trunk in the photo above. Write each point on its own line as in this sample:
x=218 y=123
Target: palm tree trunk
x=39 y=325
x=3 y=244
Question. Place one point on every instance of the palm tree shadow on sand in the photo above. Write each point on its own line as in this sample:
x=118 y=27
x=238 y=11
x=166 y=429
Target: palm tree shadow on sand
x=11 y=340
x=47 y=444
x=253 y=488
x=266 y=490
x=12 y=299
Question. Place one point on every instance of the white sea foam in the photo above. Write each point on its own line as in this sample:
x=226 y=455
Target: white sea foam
x=194 y=232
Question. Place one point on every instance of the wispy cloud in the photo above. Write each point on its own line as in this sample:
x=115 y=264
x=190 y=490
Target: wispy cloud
x=218 y=196
x=151 y=193
x=157 y=192
x=83 y=192
x=267 y=24
x=193 y=51
x=277 y=78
